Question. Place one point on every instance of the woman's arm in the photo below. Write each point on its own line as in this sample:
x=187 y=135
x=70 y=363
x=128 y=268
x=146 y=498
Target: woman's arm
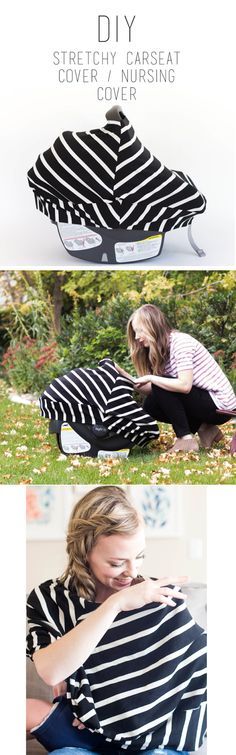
x=59 y=660
x=181 y=384
x=64 y=656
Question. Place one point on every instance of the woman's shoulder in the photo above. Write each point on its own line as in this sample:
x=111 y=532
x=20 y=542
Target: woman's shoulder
x=178 y=337
x=46 y=588
x=54 y=598
x=54 y=589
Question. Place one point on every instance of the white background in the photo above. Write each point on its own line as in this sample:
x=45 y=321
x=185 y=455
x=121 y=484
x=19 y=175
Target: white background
x=188 y=125
x=221 y=621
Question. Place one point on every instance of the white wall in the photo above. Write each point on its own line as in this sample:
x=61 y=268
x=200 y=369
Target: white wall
x=46 y=559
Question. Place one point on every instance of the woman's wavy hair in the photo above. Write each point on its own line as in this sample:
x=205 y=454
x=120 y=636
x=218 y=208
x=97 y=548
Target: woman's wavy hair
x=155 y=324
x=105 y=510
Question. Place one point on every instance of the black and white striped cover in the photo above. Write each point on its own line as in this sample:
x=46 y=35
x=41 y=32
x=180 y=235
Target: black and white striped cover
x=107 y=178
x=144 y=685
x=101 y=395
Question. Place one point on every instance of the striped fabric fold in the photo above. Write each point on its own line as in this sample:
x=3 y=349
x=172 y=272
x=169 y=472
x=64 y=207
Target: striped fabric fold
x=107 y=178
x=101 y=395
x=144 y=685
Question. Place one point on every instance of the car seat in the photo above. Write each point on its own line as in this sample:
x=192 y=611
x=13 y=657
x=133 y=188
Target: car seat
x=109 y=196
x=93 y=412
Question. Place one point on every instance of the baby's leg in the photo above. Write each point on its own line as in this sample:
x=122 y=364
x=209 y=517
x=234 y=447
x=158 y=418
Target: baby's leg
x=36 y=711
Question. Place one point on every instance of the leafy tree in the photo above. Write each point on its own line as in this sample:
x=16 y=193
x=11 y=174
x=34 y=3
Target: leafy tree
x=86 y=312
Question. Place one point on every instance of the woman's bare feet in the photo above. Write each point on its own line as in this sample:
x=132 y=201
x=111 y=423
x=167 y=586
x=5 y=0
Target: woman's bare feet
x=184 y=444
x=209 y=434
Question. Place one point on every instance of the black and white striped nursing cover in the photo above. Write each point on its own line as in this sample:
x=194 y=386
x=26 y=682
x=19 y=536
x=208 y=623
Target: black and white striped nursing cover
x=107 y=178
x=101 y=395
x=144 y=685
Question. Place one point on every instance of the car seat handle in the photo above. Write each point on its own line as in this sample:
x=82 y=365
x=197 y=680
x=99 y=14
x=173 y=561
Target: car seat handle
x=115 y=113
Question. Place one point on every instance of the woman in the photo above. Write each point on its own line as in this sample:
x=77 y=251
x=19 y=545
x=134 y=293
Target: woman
x=184 y=385
x=128 y=652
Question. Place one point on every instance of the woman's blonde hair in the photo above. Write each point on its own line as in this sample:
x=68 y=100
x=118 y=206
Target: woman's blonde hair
x=105 y=510
x=150 y=359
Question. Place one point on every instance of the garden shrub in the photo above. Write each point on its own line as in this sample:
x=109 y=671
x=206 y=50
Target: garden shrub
x=97 y=334
x=29 y=366
x=94 y=312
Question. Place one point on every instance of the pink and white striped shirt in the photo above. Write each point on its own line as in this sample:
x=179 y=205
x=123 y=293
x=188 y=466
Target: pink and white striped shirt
x=186 y=353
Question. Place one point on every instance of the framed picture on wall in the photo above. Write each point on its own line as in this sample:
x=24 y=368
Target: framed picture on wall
x=45 y=512
x=161 y=508
x=48 y=508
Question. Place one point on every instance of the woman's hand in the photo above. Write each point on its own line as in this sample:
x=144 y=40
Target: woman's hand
x=144 y=384
x=78 y=724
x=149 y=591
x=143 y=380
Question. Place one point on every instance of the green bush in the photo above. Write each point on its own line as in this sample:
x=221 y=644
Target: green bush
x=230 y=370
x=94 y=310
x=98 y=334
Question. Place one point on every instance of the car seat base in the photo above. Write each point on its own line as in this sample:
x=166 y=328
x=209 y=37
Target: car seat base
x=120 y=246
x=89 y=440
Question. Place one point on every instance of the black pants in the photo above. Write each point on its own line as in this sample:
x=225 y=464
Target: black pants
x=184 y=411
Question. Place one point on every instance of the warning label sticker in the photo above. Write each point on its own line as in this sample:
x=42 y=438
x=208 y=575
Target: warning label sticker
x=78 y=238
x=132 y=251
x=123 y=453
x=72 y=442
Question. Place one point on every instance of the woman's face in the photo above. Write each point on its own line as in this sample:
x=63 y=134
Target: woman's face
x=115 y=560
x=140 y=331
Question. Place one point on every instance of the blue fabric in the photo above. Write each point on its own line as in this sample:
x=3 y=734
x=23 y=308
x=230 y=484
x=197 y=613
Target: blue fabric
x=58 y=731
x=81 y=751
x=72 y=751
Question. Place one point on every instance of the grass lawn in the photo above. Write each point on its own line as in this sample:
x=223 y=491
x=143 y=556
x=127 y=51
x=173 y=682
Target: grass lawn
x=29 y=455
